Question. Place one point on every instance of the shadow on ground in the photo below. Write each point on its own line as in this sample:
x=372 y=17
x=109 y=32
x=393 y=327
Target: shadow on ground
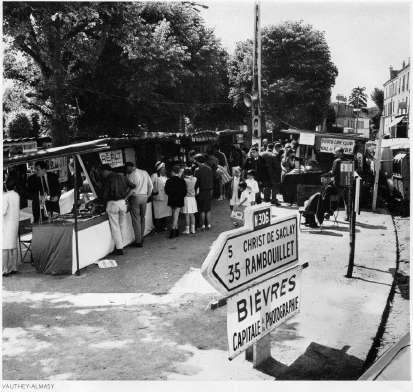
x=317 y=363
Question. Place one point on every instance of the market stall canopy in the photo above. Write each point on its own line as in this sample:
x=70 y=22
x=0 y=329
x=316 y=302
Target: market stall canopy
x=324 y=134
x=230 y=132
x=396 y=143
x=71 y=149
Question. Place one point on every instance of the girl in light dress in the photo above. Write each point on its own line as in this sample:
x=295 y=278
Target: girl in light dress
x=161 y=210
x=190 y=206
x=236 y=177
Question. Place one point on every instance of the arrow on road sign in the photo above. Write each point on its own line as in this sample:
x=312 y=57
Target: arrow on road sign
x=242 y=257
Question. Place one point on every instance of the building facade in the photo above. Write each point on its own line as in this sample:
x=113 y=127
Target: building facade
x=351 y=122
x=396 y=102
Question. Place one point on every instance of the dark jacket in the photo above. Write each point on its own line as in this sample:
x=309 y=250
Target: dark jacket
x=35 y=186
x=273 y=166
x=205 y=177
x=258 y=165
x=175 y=188
x=115 y=187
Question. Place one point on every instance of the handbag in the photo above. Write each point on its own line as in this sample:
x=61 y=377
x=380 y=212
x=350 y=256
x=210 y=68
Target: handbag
x=237 y=214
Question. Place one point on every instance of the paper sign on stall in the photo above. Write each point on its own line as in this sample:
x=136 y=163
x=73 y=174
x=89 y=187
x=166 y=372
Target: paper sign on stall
x=113 y=158
x=330 y=144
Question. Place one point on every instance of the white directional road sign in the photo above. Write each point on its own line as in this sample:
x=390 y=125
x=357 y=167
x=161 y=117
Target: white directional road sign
x=255 y=312
x=242 y=257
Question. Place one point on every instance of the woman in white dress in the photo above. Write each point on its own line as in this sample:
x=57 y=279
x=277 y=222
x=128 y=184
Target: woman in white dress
x=11 y=213
x=161 y=210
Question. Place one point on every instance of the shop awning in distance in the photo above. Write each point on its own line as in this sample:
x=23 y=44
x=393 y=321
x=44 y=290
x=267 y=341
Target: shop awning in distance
x=324 y=134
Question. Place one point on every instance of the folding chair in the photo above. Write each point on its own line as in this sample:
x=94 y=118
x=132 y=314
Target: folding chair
x=25 y=243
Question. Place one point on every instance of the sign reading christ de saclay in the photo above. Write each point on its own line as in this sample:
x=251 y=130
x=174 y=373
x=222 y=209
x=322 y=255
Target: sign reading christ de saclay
x=242 y=257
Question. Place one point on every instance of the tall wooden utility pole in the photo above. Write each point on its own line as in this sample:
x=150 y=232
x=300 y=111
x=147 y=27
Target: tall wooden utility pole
x=377 y=164
x=256 y=75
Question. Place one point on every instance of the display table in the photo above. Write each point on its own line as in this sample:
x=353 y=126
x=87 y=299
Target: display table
x=292 y=179
x=54 y=246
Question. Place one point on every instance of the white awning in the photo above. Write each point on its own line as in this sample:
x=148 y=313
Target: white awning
x=399 y=156
x=396 y=121
x=396 y=143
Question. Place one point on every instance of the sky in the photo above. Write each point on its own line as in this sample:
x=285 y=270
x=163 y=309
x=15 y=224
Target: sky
x=365 y=38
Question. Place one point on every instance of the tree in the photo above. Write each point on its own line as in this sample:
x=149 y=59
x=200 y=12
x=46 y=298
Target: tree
x=358 y=97
x=61 y=38
x=107 y=67
x=19 y=126
x=297 y=74
x=377 y=97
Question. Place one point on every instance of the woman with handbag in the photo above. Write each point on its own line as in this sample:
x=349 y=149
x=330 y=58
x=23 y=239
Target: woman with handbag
x=161 y=210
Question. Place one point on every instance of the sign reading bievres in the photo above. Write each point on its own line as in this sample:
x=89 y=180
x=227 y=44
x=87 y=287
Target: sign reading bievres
x=253 y=313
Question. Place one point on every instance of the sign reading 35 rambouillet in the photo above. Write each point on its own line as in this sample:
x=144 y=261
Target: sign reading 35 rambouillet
x=242 y=257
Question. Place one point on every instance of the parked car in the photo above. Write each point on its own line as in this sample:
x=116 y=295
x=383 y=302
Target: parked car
x=393 y=365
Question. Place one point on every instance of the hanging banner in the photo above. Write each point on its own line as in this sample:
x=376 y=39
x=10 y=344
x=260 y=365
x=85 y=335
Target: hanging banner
x=113 y=158
x=329 y=145
x=59 y=167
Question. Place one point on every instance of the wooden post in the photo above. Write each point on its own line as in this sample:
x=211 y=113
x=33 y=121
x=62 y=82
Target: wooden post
x=377 y=164
x=76 y=197
x=259 y=352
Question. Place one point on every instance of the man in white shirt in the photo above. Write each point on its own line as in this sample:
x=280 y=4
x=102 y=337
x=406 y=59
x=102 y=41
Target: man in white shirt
x=138 y=199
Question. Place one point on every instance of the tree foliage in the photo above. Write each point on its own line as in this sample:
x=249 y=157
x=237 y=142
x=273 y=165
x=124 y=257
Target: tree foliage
x=108 y=67
x=19 y=126
x=297 y=73
x=358 y=97
x=377 y=97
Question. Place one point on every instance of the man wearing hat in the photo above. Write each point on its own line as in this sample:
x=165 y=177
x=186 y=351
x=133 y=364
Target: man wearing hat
x=116 y=189
x=335 y=173
x=205 y=184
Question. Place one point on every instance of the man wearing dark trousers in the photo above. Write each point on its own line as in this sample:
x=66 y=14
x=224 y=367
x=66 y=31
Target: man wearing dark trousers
x=45 y=191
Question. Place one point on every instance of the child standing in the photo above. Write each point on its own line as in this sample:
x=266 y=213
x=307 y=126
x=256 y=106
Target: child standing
x=236 y=175
x=175 y=188
x=190 y=207
x=245 y=200
x=253 y=184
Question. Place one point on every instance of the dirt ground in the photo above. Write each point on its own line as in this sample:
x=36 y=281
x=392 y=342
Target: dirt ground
x=148 y=318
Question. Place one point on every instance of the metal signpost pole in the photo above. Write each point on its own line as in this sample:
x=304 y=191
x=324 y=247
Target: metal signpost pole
x=352 y=229
x=256 y=76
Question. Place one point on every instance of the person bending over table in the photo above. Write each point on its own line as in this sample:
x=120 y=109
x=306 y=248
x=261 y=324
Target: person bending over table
x=116 y=189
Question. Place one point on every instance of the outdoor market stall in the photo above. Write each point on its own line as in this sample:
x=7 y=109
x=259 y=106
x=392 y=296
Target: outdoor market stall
x=64 y=244
x=315 y=156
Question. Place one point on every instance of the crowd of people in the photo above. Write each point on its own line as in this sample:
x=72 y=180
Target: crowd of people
x=244 y=177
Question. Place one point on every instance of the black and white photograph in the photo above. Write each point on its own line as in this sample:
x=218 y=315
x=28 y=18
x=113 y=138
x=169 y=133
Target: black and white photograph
x=205 y=191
